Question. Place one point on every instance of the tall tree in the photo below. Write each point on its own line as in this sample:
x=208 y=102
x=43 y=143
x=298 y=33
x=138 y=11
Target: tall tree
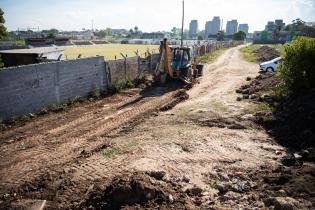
x=109 y=31
x=136 y=29
x=3 y=29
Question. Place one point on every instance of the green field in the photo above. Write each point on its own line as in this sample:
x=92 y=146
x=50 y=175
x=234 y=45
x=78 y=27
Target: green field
x=109 y=51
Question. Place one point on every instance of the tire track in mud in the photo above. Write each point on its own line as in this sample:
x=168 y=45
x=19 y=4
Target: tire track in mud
x=42 y=141
x=52 y=121
x=28 y=165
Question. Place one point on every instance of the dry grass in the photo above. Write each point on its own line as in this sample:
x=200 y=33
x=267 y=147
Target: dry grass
x=109 y=51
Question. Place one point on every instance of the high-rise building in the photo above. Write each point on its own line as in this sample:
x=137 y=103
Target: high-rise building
x=280 y=24
x=273 y=25
x=243 y=27
x=213 y=27
x=216 y=23
x=208 y=28
x=231 y=27
x=193 y=28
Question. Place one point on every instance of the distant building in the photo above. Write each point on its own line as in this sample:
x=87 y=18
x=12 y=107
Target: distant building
x=231 y=27
x=208 y=27
x=216 y=23
x=152 y=36
x=31 y=56
x=310 y=24
x=213 y=27
x=47 y=42
x=273 y=25
x=280 y=24
x=270 y=37
x=243 y=27
x=193 y=28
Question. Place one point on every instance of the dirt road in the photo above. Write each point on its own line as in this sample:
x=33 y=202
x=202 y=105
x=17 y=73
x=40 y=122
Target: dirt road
x=203 y=153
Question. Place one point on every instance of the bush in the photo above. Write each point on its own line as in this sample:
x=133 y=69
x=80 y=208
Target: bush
x=116 y=87
x=1 y=63
x=298 y=66
x=95 y=92
x=123 y=85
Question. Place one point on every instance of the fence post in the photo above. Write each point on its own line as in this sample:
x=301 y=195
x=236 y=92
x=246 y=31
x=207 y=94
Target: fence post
x=139 y=69
x=125 y=65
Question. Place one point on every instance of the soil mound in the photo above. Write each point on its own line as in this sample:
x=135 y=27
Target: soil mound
x=266 y=53
x=134 y=191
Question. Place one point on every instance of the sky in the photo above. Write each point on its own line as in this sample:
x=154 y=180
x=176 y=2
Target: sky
x=148 y=15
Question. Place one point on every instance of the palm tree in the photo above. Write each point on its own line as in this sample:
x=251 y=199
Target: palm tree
x=136 y=29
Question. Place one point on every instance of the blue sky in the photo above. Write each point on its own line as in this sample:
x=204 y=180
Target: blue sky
x=148 y=15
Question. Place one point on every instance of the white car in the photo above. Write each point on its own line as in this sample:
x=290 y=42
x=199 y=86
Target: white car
x=270 y=65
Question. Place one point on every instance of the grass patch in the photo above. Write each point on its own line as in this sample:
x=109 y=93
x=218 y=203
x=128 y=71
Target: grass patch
x=95 y=93
x=248 y=52
x=112 y=152
x=217 y=106
x=120 y=86
x=210 y=57
x=109 y=51
x=264 y=107
x=213 y=185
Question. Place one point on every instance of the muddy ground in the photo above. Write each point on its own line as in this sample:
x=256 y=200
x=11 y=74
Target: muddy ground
x=137 y=151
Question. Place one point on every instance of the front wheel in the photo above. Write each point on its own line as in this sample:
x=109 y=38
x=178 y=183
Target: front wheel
x=270 y=69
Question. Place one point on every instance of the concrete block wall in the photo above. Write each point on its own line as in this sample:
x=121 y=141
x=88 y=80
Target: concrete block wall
x=133 y=67
x=27 y=89
x=116 y=70
x=120 y=70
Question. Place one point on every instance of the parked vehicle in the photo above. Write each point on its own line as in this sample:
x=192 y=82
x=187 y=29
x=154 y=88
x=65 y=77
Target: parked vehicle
x=271 y=65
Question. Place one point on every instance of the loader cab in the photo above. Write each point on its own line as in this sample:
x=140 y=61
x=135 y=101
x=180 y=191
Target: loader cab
x=181 y=59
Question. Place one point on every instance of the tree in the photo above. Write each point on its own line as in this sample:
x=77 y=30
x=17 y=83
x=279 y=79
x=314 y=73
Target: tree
x=136 y=29
x=109 y=31
x=220 y=36
x=175 y=32
x=200 y=37
x=51 y=33
x=239 y=36
x=3 y=29
x=297 y=65
x=300 y=26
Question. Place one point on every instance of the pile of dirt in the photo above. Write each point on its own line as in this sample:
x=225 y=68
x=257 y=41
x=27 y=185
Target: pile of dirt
x=290 y=120
x=293 y=120
x=295 y=186
x=268 y=187
x=255 y=89
x=291 y=123
x=266 y=53
x=138 y=190
x=180 y=96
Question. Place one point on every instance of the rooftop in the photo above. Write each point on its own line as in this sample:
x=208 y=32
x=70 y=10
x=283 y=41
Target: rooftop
x=32 y=51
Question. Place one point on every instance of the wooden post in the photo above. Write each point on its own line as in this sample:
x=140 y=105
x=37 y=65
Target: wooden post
x=125 y=64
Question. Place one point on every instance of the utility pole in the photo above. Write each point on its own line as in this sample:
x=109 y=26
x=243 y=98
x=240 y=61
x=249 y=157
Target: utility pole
x=182 y=35
x=92 y=25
